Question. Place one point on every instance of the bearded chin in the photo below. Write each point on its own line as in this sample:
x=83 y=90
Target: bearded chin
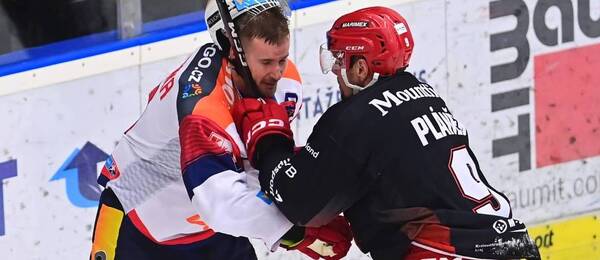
x=245 y=91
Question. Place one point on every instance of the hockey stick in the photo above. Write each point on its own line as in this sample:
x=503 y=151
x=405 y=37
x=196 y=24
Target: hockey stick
x=235 y=42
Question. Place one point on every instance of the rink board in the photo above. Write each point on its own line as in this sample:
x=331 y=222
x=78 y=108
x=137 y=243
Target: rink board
x=577 y=238
x=526 y=91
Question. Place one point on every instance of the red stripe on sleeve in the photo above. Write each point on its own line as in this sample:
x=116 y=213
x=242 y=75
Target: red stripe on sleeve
x=200 y=136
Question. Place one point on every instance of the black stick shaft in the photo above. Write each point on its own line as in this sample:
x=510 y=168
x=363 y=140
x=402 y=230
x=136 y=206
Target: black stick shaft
x=236 y=44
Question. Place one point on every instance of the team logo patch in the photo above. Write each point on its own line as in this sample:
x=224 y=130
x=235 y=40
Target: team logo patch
x=110 y=169
x=191 y=90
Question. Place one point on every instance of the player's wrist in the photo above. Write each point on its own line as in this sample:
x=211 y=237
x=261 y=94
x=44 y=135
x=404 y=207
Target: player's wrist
x=270 y=149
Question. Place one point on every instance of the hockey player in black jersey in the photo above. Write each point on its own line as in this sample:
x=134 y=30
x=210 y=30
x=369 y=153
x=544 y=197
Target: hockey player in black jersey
x=390 y=156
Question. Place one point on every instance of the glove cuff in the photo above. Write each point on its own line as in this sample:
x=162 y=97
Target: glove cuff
x=254 y=142
x=293 y=237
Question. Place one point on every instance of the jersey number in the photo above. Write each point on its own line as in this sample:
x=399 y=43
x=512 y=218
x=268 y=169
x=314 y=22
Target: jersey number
x=469 y=182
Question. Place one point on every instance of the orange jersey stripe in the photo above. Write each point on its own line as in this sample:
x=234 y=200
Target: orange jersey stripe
x=215 y=106
x=291 y=72
x=195 y=237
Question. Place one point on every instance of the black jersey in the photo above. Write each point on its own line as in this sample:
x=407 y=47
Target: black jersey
x=398 y=164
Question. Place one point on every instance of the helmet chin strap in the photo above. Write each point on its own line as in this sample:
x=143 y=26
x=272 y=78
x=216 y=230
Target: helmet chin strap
x=356 y=88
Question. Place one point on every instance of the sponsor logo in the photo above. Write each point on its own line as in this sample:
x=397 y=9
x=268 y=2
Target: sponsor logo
x=80 y=171
x=290 y=172
x=500 y=226
x=544 y=240
x=539 y=43
x=315 y=104
x=7 y=170
x=312 y=151
x=191 y=90
x=262 y=124
x=355 y=24
x=396 y=99
x=237 y=44
x=277 y=197
x=355 y=48
x=203 y=63
x=213 y=19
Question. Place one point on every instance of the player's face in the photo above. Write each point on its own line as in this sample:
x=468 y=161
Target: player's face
x=267 y=63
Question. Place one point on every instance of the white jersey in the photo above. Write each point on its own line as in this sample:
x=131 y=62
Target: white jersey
x=178 y=170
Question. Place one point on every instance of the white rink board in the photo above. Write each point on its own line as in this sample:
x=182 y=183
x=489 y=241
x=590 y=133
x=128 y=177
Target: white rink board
x=42 y=126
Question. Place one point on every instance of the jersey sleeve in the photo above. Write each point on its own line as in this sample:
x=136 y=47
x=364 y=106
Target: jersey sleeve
x=228 y=201
x=314 y=185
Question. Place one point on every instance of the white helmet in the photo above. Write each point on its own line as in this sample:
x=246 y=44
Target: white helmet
x=236 y=8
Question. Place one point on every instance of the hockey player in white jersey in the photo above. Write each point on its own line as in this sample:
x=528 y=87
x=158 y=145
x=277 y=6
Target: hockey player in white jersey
x=178 y=185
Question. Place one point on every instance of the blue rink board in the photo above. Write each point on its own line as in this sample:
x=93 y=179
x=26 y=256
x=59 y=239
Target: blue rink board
x=99 y=43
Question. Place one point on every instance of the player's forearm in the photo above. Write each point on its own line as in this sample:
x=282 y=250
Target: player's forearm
x=292 y=182
x=230 y=203
x=316 y=184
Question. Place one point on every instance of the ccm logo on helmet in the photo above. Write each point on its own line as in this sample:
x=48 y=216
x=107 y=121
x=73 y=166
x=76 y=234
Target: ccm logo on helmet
x=355 y=48
x=355 y=24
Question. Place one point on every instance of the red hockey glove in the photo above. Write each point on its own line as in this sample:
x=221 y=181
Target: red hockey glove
x=257 y=118
x=330 y=242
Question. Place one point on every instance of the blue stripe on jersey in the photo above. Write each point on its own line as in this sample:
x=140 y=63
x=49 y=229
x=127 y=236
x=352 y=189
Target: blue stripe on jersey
x=205 y=167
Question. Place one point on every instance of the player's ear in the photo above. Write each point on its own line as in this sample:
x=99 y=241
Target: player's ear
x=362 y=70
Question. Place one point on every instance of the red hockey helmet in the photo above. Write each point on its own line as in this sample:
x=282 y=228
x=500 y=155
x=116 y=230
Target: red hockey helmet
x=379 y=34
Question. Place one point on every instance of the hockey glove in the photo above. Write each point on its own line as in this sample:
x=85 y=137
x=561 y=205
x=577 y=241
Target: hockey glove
x=330 y=242
x=257 y=118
